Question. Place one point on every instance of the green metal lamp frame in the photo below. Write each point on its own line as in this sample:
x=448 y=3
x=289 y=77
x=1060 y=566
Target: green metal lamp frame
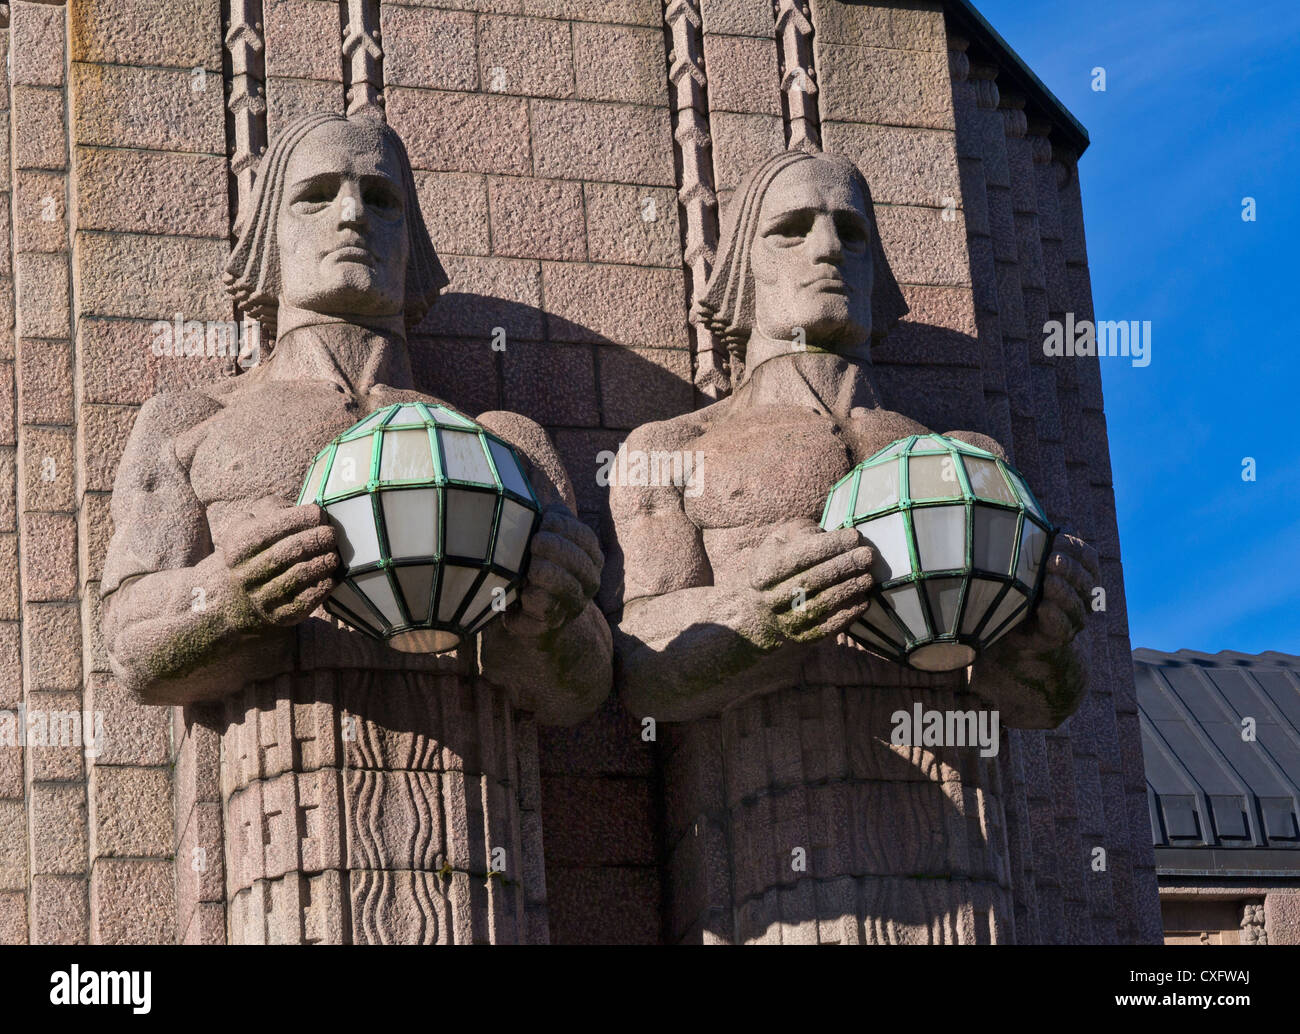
x=378 y=426
x=901 y=646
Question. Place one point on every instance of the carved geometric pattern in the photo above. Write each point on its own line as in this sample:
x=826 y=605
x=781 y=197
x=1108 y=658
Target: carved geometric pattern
x=246 y=43
x=363 y=58
x=688 y=83
x=794 y=32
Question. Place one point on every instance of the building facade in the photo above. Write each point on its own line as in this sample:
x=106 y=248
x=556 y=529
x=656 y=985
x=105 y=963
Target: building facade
x=572 y=159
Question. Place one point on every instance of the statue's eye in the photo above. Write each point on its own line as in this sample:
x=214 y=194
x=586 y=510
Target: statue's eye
x=790 y=228
x=381 y=199
x=313 y=197
x=852 y=231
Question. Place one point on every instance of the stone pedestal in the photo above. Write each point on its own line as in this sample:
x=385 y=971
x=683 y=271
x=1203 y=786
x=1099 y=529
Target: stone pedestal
x=898 y=844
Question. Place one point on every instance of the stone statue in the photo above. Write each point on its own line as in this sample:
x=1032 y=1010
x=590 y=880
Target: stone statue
x=710 y=628
x=214 y=579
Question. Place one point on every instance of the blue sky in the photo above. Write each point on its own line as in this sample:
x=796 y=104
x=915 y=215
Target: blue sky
x=1201 y=109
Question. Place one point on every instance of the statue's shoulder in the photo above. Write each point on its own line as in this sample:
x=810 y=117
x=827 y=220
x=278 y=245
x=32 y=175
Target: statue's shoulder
x=676 y=432
x=172 y=413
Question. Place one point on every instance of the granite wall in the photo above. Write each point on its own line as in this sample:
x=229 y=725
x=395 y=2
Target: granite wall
x=569 y=155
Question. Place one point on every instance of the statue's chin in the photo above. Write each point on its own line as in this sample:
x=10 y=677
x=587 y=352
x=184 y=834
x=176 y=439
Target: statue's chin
x=355 y=295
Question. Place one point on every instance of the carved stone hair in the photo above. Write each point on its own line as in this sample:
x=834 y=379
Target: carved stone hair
x=727 y=305
x=252 y=275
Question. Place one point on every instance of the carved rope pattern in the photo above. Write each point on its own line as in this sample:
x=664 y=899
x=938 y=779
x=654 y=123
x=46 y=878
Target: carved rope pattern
x=794 y=31
x=699 y=203
x=246 y=44
x=363 y=58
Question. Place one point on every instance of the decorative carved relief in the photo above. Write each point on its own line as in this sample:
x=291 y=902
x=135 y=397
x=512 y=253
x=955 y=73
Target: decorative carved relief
x=246 y=43
x=794 y=33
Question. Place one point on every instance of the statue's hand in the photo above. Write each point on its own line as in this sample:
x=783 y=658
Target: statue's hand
x=563 y=575
x=1062 y=611
x=810 y=583
x=280 y=566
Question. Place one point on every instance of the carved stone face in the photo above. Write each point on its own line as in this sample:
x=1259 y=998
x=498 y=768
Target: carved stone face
x=342 y=224
x=811 y=258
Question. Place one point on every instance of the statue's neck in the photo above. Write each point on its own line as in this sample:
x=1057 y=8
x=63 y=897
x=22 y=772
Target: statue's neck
x=357 y=353
x=835 y=383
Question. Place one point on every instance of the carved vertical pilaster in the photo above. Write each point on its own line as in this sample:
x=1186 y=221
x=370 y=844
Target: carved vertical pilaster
x=246 y=44
x=794 y=33
x=699 y=204
x=363 y=58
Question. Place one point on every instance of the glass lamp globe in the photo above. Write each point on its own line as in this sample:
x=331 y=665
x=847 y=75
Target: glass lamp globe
x=434 y=516
x=960 y=545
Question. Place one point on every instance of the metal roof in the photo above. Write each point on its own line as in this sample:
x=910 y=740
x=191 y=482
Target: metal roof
x=1224 y=792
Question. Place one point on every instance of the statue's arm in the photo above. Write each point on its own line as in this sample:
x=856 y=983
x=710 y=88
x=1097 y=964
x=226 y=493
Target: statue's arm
x=1037 y=673
x=687 y=647
x=184 y=622
x=552 y=652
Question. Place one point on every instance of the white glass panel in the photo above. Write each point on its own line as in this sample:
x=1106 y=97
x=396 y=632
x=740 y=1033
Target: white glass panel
x=313 y=480
x=928 y=443
x=987 y=481
x=944 y=595
x=933 y=477
x=886 y=536
x=411 y=521
x=941 y=537
x=1032 y=541
x=942 y=657
x=354 y=521
x=890 y=450
x=1025 y=496
x=443 y=415
x=469 y=523
x=406 y=456
x=512 y=535
x=368 y=422
x=490 y=613
x=877 y=489
x=1010 y=602
x=377 y=589
x=417 y=588
x=351 y=467
x=838 y=506
x=907 y=605
x=982 y=594
x=464 y=458
x=347 y=597
x=995 y=537
x=511 y=476
x=483 y=598
x=456 y=582
x=860 y=631
x=424 y=640
x=878 y=618
x=408 y=413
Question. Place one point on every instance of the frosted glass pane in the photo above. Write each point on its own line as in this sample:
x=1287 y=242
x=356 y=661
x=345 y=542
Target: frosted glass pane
x=347 y=597
x=927 y=443
x=411 y=521
x=1032 y=542
x=313 y=480
x=1025 y=496
x=877 y=489
x=417 y=589
x=351 y=467
x=464 y=458
x=354 y=520
x=368 y=422
x=489 y=614
x=443 y=415
x=865 y=634
x=987 y=481
x=838 y=507
x=483 y=597
x=941 y=537
x=890 y=450
x=907 y=605
x=878 y=618
x=944 y=595
x=508 y=468
x=376 y=589
x=887 y=537
x=982 y=594
x=469 y=523
x=933 y=477
x=512 y=535
x=1005 y=609
x=456 y=583
x=995 y=535
x=406 y=456
x=409 y=413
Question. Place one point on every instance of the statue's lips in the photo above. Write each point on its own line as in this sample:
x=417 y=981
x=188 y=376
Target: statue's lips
x=352 y=253
x=834 y=284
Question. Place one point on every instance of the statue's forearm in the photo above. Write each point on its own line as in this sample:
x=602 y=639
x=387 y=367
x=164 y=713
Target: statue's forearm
x=561 y=676
x=689 y=653
x=178 y=637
